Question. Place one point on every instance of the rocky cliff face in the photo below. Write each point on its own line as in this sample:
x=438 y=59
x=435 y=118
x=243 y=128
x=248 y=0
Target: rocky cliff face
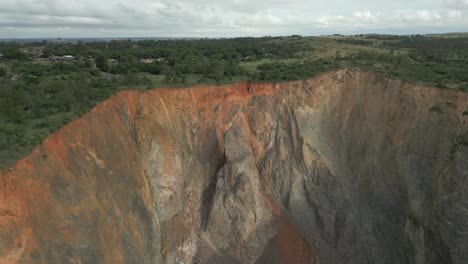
x=348 y=167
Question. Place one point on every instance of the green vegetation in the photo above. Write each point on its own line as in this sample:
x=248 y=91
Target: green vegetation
x=435 y=108
x=44 y=85
x=460 y=141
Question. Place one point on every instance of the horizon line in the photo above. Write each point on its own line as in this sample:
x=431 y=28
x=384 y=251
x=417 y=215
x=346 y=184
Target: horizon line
x=230 y=37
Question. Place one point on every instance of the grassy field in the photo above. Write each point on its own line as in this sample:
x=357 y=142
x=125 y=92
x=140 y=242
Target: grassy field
x=450 y=35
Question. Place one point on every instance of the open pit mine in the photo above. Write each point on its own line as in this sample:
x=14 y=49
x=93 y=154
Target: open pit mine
x=347 y=167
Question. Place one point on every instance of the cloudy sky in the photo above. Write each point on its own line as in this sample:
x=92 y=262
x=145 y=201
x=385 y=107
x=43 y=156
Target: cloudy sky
x=227 y=18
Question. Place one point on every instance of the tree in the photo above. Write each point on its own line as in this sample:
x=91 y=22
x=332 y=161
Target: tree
x=153 y=68
x=217 y=70
x=88 y=64
x=338 y=54
x=67 y=98
x=12 y=53
x=101 y=64
x=464 y=87
x=17 y=105
x=170 y=73
x=3 y=72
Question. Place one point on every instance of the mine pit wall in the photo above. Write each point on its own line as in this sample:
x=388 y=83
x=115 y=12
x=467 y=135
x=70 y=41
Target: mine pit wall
x=81 y=196
x=350 y=166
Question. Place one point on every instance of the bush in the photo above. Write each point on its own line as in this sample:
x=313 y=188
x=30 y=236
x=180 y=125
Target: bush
x=436 y=108
x=95 y=73
x=441 y=85
x=464 y=87
x=3 y=72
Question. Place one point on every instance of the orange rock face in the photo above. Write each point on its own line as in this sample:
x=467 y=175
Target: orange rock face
x=346 y=167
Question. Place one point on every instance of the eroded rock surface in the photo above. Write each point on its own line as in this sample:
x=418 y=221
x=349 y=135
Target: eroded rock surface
x=348 y=167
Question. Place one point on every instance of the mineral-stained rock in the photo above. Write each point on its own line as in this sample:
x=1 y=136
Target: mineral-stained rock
x=348 y=167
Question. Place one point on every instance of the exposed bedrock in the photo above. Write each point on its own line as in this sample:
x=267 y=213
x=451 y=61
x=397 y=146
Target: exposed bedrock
x=348 y=167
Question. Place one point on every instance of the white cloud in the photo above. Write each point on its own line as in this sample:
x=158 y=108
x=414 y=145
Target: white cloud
x=407 y=18
x=457 y=4
x=454 y=14
x=54 y=18
x=331 y=20
x=260 y=19
x=418 y=16
x=365 y=16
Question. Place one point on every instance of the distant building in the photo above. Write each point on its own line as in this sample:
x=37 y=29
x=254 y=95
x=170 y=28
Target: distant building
x=112 y=61
x=62 y=58
x=35 y=52
x=147 y=61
